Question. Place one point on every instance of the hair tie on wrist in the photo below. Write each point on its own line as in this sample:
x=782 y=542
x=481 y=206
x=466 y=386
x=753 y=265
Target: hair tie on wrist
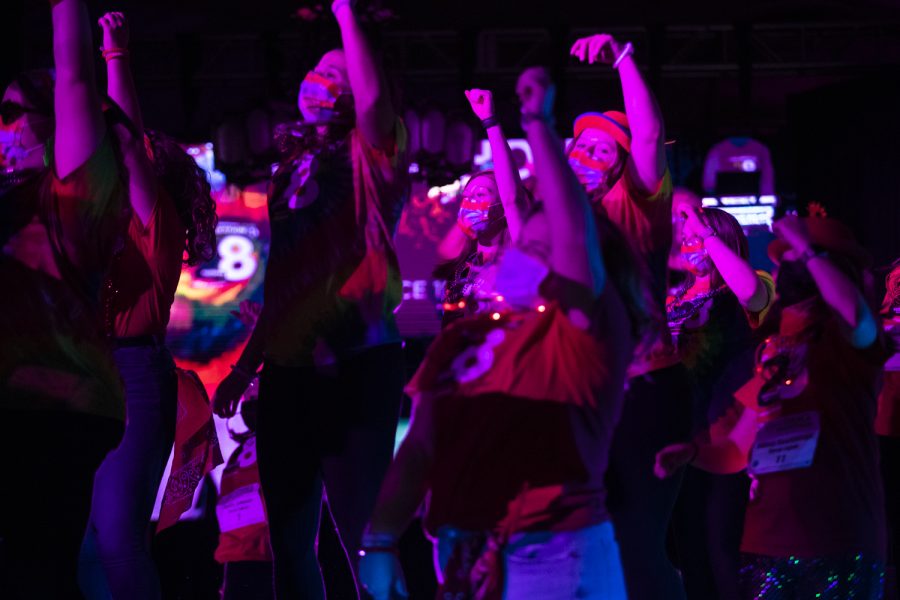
x=628 y=50
x=491 y=121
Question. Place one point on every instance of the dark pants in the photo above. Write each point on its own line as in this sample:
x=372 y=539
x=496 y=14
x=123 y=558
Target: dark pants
x=248 y=580
x=890 y=472
x=48 y=470
x=656 y=413
x=115 y=558
x=707 y=527
x=324 y=431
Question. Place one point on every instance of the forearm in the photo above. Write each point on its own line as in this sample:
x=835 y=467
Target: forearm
x=842 y=295
x=509 y=184
x=252 y=356
x=739 y=276
x=121 y=89
x=402 y=491
x=374 y=112
x=721 y=458
x=646 y=123
x=575 y=249
x=79 y=120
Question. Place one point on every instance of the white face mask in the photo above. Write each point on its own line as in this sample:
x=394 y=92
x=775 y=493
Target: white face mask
x=519 y=277
x=12 y=152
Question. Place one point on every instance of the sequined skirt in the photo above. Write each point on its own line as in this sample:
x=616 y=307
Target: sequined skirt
x=856 y=577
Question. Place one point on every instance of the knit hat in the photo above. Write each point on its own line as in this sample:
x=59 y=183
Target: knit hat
x=613 y=122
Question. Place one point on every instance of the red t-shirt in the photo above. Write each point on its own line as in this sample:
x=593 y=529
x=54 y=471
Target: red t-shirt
x=646 y=220
x=145 y=275
x=54 y=355
x=333 y=273
x=836 y=505
x=525 y=405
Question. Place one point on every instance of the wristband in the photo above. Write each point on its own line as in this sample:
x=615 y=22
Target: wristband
x=491 y=121
x=114 y=53
x=628 y=50
x=810 y=254
x=712 y=233
x=378 y=542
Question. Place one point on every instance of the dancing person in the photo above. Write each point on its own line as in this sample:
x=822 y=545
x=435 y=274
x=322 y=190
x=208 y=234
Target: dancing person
x=493 y=206
x=332 y=381
x=173 y=220
x=60 y=396
x=713 y=317
x=887 y=425
x=620 y=160
x=803 y=427
x=513 y=458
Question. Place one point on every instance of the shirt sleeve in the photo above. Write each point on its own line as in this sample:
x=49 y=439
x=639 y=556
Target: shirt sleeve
x=87 y=209
x=756 y=318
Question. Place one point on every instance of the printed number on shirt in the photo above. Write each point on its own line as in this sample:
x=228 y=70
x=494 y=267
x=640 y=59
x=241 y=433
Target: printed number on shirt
x=477 y=360
x=236 y=260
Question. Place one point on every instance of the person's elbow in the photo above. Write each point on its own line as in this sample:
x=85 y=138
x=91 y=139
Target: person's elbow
x=864 y=331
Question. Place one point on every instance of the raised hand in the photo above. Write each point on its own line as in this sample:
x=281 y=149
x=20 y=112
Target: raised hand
x=601 y=48
x=536 y=93
x=382 y=576
x=482 y=103
x=694 y=224
x=115 y=30
x=792 y=229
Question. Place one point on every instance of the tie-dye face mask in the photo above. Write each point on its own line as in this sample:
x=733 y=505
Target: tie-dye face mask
x=321 y=100
x=12 y=151
x=695 y=256
x=480 y=213
x=591 y=172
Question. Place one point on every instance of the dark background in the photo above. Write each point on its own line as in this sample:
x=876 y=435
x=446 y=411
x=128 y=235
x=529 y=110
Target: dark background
x=818 y=81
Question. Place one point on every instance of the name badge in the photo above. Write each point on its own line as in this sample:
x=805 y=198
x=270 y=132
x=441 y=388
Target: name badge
x=785 y=443
x=241 y=508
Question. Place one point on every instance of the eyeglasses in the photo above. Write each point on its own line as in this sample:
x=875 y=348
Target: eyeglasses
x=10 y=111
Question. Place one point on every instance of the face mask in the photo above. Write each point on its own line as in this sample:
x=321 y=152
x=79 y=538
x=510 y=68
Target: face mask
x=12 y=152
x=794 y=283
x=480 y=217
x=320 y=99
x=695 y=256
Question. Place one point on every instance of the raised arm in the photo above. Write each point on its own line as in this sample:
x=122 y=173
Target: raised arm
x=575 y=248
x=509 y=184
x=79 y=120
x=142 y=181
x=119 y=81
x=375 y=114
x=838 y=291
x=647 y=161
x=739 y=276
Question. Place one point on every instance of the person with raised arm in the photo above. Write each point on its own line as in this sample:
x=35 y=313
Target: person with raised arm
x=62 y=214
x=620 y=160
x=714 y=318
x=332 y=379
x=511 y=457
x=803 y=428
x=172 y=215
x=493 y=206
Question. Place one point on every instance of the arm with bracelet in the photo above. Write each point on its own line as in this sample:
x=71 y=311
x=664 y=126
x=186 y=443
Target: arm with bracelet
x=509 y=184
x=647 y=159
x=143 y=185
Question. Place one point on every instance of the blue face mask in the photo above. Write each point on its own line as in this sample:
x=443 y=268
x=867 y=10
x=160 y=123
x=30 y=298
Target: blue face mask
x=321 y=99
x=480 y=213
x=591 y=173
x=12 y=152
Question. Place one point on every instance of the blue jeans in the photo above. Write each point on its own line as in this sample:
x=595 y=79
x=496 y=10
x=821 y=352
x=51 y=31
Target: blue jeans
x=548 y=565
x=115 y=558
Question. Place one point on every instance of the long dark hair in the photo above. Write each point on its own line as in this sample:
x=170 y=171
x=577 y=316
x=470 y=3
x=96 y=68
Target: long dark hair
x=187 y=184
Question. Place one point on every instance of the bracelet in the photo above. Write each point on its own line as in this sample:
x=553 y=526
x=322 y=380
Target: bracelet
x=378 y=542
x=242 y=371
x=106 y=51
x=628 y=50
x=491 y=121
x=114 y=56
x=375 y=549
x=712 y=233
